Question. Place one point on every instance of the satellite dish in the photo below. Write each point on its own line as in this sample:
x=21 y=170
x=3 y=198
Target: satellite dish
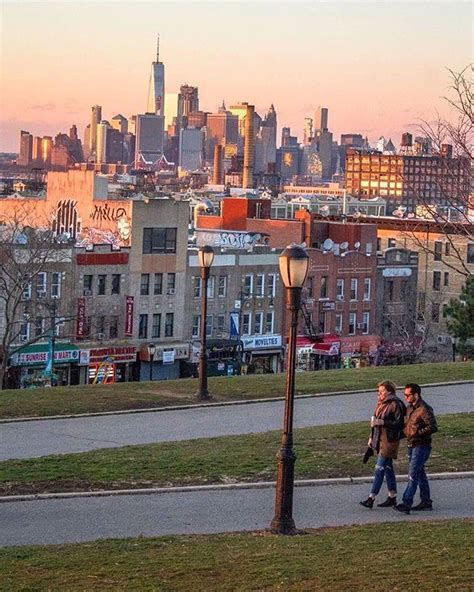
x=344 y=245
x=357 y=245
x=328 y=244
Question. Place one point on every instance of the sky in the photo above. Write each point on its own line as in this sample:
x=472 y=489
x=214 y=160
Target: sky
x=378 y=66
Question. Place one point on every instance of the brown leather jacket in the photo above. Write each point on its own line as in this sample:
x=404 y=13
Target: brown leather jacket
x=421 y=423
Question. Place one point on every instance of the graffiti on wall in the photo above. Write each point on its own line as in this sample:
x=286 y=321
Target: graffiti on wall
x=66 y=219
x=234 y=240
x=103 y=212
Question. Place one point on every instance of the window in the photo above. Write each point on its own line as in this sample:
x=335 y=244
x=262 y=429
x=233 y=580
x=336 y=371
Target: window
x=271 y=282
x=447 y=249
x=435 y=312
x=367 y=283
x=26 y=292
x=87 y=285
x=113 y=327
x=209 y=325
x=436 y=281
x=322 y=322
x=41 y=285
x=404 y=290
x=39 y=327
x=197 y=286
x=309 y=286
x=158 y=284
x=24 y=333
x=438 y=250
x=340 y=289
x=470 y=253
x=221 y=323
x=159 y=240
x=87 y=326
x=365 y=323
x=259 y=285
x=323 y=291
x=391 y=243
x=211 y=286
x=269 y=322
x=368 y=248
x=353 y=289
x=258 y=324
x=445 y=310
x=100 y=326
x=56 y=284
x=352 y=323
x=170 y=283
x=101 y=284
x=116 y=277
x=222 y=286
x=248 y=285
x=196 y=325
x=143 y=326
x=446 y=278
x=421 y=306
x=145 y=284
x=390 y=288
x=338 y=326
x=156 y=326
x=169 y=324
x=379 y=244
x=247 y=323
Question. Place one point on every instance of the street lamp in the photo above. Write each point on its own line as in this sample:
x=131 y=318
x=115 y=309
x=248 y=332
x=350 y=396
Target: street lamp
x=293 y=270
x=206 y=257
x=151 y=355
x=453 y=343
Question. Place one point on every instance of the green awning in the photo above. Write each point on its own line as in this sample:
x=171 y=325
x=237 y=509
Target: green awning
x=37 y=354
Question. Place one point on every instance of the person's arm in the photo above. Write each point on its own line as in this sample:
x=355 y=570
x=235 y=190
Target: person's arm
x=427 y=425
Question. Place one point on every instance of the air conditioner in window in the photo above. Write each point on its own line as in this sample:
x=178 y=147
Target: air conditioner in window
x=271 y=302
x=41 y=294
x=441 y=339
x=171 y=291
x=340 y=297
x=360 y=325
x=23 y=338
x=100 y=336
x=87 y=292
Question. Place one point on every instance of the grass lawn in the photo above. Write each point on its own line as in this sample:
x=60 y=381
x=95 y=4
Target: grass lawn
x=144 y=395
x=323 y=451
x=410 y=556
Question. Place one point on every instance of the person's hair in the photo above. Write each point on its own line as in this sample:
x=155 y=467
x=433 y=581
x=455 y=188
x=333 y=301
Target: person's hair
x=389 y=385
x=414 y=388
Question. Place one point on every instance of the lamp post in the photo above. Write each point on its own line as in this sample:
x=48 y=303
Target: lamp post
x=151 y=356
x=453 y=343
x=293 y=270
x=206 y=257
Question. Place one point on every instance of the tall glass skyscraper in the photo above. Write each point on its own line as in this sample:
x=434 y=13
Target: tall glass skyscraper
x=156 y=89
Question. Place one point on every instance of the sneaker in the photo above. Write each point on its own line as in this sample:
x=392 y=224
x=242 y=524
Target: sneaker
x=402 y=508
x=368 y=503
x=390 y=501
x=423 y=506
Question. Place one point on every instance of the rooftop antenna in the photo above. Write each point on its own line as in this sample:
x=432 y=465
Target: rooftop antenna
x=158 y=49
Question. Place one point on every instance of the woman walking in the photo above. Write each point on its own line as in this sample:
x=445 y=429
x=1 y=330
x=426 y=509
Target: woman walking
x=387 y=425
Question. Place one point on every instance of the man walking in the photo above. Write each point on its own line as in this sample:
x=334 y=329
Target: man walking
x=387 y=430
x=420 y=425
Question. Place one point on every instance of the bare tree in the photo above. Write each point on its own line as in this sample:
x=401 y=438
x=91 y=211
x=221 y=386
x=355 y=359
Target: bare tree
x=25 y=253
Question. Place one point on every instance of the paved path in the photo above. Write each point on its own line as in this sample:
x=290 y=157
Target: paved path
x=59 y=436
x=84 y=519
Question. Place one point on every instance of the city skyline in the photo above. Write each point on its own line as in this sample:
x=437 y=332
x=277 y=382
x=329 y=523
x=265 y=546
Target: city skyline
x=378 y=68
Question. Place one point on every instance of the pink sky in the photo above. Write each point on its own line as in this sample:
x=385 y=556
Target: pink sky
x=378 y=67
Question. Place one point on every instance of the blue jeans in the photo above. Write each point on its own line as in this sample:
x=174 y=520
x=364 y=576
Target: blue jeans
x=417 y=456
x=384 y=468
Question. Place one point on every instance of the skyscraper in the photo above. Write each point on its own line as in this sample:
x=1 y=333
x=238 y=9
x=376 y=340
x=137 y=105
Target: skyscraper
x=321 y=119
x=149 y=142
x=156 y=89
x=26 y=148
x=265 y=148
x=96 y=118
x=188 y=100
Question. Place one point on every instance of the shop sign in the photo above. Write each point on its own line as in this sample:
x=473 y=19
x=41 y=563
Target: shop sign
x=84 y=357
x=129 y=316
x=328 y=305
x=261 y=342
x=397 y=272
x=168 y=356
x=81 y=318
x=114 y=354
x=41 y=357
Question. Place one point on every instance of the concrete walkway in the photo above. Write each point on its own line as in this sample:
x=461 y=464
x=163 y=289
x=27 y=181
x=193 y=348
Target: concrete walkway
x=43 y=437
x=55 y=521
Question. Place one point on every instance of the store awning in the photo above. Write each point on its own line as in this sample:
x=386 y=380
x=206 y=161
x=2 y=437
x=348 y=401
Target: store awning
x=329 y=346
x=37 y=354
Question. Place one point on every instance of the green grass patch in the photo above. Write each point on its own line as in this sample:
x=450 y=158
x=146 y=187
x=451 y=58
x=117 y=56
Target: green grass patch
x=323 y=451
x=421 y=556
x=145 y=395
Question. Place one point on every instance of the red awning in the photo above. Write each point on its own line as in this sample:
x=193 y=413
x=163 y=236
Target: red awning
x=328 y=347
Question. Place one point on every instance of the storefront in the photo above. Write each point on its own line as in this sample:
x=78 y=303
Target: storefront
x=318 y=353
x=224 y=357
x=29 y=364
x=167 y=361
x=263 y=354
x=106 y=365
x=358 y=350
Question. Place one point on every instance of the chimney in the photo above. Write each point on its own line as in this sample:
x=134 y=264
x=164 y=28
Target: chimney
x=217 y=174
x=247 y=181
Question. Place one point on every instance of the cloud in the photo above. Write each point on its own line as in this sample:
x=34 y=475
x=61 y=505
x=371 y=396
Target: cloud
x=43 y=107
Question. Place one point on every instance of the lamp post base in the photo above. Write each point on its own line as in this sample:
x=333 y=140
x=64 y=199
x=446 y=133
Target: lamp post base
x=283 y=526
x=283 y=522
x=203 y=395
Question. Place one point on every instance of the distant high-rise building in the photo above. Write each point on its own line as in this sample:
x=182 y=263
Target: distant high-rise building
x=307 y=131
x=321 y=119
x=149 y=143
x=171 y=108
x=191 y=143
x=348 y=141
x=221 y=128
x=156 y=89
x=101 y=150
x=26 y=148
x=249 y=154
x=46 y=149
x=188 y=100
x=96 y=118
x=36 y=155
x=73 y=132
x=120 y=123
x=287 y=139
x=197 y=119
x=265 y=148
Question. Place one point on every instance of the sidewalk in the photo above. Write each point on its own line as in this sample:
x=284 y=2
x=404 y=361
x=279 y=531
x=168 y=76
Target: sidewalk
x=55 y=521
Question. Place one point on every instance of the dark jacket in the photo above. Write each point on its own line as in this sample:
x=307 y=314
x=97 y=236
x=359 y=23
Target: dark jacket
x=421 y=423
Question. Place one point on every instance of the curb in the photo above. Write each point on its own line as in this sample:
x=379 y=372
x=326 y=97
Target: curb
x=217 y=404
x=219 y=487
